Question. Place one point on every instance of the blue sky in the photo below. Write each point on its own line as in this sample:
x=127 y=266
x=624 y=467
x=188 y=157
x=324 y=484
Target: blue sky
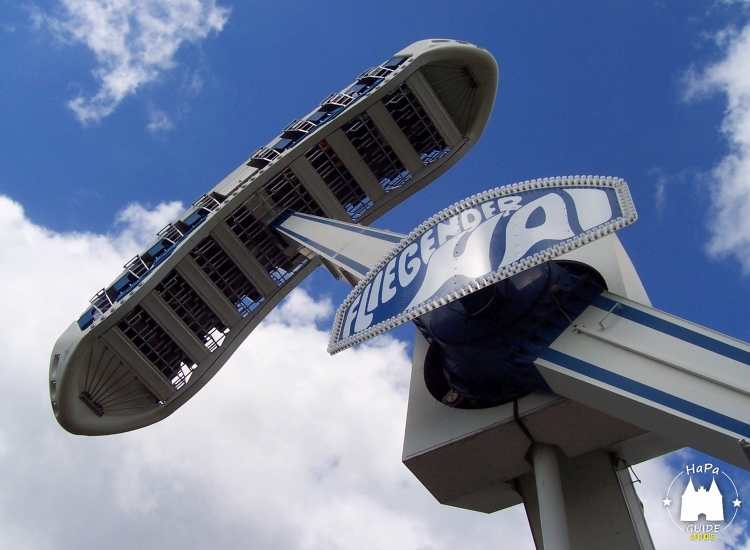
x=112 y=111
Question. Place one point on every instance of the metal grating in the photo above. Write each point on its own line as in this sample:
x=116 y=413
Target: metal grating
x=283 y=192
x=182 y=377
x=112 y=386
x=262 y=157
x=207 y=201
x=415 y=124
x=226 y=276
x=336 y=101
x=101 y=301
x=141 y=329
x=298 y=128
x=268 y=250
x=193 y=311
x=376 y=152
x=137 y=266
x=171 y=233
x=286 y=191
x=374 y=74
x=339 y=180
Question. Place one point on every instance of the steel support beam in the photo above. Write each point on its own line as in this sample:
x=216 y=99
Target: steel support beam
x=208 y=291
x=242 y=257
x=151 y=377
x=658 y=372
x=549 y=490
x=356 y=165
x=318 y=188
x=434 y=109
x=351 y=247
x=174 y=327
x=395 y=138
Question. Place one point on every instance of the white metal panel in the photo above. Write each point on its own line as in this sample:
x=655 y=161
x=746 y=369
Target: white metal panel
x=656 y=371
x=469 y=458
x=234 y=180
x=349 y=246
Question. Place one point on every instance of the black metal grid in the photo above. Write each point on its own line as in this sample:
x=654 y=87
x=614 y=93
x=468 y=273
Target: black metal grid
x=339 y=180
x=284 y=191
x=226 y=276
x=266 y=248
x=287 y=191
x=193 y=311
x=141 y=329
x=376 y=152
x=415 y=124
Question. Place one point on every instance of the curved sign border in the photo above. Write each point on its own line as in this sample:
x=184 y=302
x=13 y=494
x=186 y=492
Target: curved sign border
x=629 y=215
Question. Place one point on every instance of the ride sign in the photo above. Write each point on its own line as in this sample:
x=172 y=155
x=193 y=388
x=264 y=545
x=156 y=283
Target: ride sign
x=477 y=242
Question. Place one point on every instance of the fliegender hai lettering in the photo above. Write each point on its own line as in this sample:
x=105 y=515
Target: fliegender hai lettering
x=403 y=270
x=474 y=239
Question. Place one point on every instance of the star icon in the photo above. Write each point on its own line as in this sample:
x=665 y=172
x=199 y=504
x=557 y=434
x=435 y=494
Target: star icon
x=666 y=501
x=736 y=502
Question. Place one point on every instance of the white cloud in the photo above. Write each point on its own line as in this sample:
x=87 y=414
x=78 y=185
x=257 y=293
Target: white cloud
x=134 y=41
x=285 y=448
x=158 y=121
x=664 y=181
x=140 y=225
x=660 y=195
x=731 y=176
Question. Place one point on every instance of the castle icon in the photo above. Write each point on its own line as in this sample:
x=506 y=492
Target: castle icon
x=695 y=503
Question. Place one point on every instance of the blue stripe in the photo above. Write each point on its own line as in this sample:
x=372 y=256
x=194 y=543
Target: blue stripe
x=671 y=329
x=351 y=264
x=381 y=235
x=646 y=392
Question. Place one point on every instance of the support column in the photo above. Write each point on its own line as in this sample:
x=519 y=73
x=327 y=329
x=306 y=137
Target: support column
x=550 y=494
x=602 y=508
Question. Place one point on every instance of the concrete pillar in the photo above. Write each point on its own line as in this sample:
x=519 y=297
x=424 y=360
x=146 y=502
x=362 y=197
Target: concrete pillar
x=550 y=494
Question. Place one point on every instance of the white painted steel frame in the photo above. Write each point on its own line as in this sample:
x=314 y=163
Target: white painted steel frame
x=72 y=349
x=654 y=370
